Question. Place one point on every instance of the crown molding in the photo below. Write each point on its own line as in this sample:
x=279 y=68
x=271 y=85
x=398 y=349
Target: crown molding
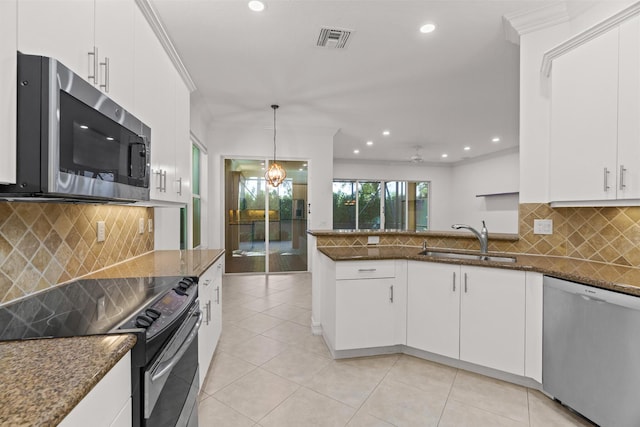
x=526 y=21
x=586 y=36
x=152 y=18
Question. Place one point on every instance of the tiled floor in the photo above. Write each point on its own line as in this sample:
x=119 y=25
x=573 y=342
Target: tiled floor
x=268 y=370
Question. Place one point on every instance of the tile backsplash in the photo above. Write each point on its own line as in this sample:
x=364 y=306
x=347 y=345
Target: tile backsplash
x=604 y=234
x=46 y=244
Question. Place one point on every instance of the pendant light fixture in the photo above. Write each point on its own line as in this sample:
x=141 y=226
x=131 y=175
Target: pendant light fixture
x=276 y=173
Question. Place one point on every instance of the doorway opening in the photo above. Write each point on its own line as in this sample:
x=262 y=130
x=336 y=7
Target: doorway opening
x=265 y=227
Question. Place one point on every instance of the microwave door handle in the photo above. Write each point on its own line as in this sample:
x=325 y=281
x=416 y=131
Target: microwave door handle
x=165 y=367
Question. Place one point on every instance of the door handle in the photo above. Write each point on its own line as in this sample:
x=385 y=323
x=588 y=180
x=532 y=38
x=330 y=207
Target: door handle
x=93 y=66
x=606 y=180
x=622 y=172
x=465 y=283
x=105 y=85
x=454 y=281
x=391 y=293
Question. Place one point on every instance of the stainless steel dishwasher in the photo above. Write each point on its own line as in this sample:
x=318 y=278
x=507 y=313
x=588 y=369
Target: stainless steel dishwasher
x=591 y=351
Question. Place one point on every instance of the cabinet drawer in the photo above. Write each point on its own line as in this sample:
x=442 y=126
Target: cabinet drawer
x=365 y=269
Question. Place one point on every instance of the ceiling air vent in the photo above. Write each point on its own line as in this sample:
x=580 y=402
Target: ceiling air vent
x=333 y=38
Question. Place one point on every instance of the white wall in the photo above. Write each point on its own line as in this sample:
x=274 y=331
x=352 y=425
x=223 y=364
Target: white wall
x=312 y=145
x=535 y=101
x=498 y=173
x=439 y=176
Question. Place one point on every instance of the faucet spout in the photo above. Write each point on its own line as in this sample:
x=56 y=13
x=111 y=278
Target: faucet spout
x=482 y=235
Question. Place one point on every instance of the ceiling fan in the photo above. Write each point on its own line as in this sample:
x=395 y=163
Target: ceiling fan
x=417 y=158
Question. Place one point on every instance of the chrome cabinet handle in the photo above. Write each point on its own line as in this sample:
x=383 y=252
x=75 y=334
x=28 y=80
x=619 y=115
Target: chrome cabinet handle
x=159 y=173
x=454 y=281
x=93 y=65
x=105 y=85
x=465 y=283
x=364 y=270
x=218 y=295
x=164 y=181
x=622 y=171
x=606 y=179
x=391 y=293
x=162 y=178
x=179 y=180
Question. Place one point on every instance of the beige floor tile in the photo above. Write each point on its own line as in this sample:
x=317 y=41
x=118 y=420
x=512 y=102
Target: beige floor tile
x=262 y=292
x=257 y=393
x=376 y=365
x=492 y=395
x=211 y=413
x=233 y=335
x=458 y=414
x=261 y=304
x=308 y=408
x=236 y=313
x=303 y=319
x=236 y=299
x=259 y=323
x=315 y=344
x=403 y=405
x=288 y=332
x=286 y=312
x=224 y=370
x=544 y=412
x=296 y=365
x=348 y=384
x=362 y=419
x=258 y=350
x=423 y=374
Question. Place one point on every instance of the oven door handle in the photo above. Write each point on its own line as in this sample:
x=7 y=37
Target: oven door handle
x=165 y=367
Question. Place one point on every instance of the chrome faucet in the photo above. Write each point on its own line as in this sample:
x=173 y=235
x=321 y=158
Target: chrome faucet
x=483 y=235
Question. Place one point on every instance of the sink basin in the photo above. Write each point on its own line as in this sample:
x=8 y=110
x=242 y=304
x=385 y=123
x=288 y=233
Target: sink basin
x=455 y=255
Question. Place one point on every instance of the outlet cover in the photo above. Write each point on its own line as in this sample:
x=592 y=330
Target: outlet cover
x=101 y=231
x=373 y=240
x=150 y=225
x=141 y=226
x=542 y=226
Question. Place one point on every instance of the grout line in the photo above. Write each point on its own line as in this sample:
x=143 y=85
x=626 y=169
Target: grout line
x=446 y=402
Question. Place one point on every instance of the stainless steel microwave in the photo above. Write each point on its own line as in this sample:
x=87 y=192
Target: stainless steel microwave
x=74 y=142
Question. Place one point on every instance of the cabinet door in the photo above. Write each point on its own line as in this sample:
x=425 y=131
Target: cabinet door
x=629 y=111
x=114 y=38
x=154 y=94
x=205 y=336
x=492 y=318
x=584 y=121
x=8 y=75
x=62 y=29
x=433 y=308
x=182 y=142
x=365 y=313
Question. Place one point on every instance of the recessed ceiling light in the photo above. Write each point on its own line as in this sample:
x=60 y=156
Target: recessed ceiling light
x=495 y=139
x=356 y=151
x=109 y=138
x=445 y=155
x=256 y=5
x=386 y=132
x=467 y=148
x=427 y=28
x=84 y=127
x=369 y=143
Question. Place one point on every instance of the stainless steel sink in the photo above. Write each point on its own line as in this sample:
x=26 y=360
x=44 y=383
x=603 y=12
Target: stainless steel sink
x=455 y=255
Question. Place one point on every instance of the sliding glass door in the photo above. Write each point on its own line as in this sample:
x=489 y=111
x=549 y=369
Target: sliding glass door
x=265 y=227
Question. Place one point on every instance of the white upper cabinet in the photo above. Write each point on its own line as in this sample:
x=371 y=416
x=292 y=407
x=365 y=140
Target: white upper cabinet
x=182 y=142
x=584 y=121
x=8 y=76
x=595 y=107
x=92 y=38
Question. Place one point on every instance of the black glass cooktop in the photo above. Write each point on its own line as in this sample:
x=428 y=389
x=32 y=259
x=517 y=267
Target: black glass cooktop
x=83 y=307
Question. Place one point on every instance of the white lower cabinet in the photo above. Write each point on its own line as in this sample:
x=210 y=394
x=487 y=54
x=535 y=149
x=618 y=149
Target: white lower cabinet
x=108 y=404
x=476 y=314
x=370 y=310
x=210 y=295
x=492 y=318
x=8 y=78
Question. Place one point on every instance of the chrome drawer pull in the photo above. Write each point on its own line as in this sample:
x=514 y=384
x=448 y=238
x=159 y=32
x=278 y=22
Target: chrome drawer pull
x=364 y=270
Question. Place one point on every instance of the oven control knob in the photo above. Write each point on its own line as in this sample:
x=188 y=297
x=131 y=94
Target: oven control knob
x=152 y=313
x=179 y=291
x=185 y=283
x=143 y=321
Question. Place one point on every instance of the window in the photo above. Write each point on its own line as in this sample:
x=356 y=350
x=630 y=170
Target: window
x=361 y=205
x=196 y=204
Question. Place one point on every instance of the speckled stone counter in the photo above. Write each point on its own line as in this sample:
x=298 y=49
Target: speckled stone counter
x=608 y=276
x=419 y=234
x=163 y=263
x=43 y=380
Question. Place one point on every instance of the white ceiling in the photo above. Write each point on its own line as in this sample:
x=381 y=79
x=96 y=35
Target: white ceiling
x=455 y=87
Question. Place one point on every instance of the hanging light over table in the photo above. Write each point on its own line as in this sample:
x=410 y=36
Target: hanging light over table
x=276 y=173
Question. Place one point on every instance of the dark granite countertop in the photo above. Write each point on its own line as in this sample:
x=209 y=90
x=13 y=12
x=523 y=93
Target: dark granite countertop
x=607 y=276
x=43 y=380
x=425 y=234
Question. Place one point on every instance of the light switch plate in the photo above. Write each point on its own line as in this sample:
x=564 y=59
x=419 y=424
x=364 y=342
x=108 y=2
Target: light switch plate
x=542 y=226
x=141 y=226
x=101 y=231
